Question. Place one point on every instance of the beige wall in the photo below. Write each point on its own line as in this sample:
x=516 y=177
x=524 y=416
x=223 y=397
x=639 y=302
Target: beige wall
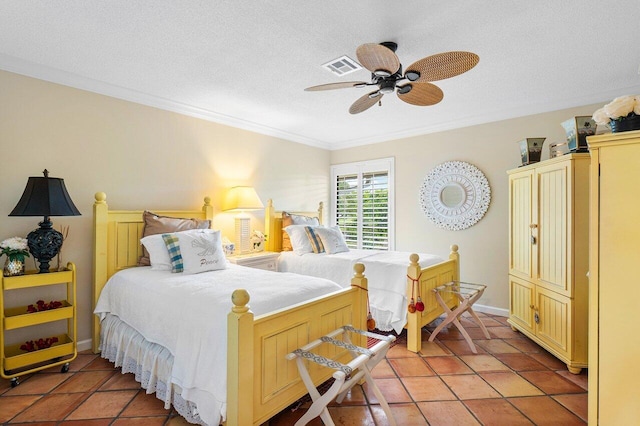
x=493 y=149
x=141 y=157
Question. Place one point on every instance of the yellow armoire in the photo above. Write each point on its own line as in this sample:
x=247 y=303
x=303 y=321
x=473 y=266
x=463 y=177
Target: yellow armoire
x=549 y=255
x=614 y=305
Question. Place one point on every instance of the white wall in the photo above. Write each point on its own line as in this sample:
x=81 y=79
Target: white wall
x=141 y=157
x=493 y=149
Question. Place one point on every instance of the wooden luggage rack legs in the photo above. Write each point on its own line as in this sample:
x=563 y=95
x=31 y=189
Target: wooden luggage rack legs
x=468 y=294
x=346 y=376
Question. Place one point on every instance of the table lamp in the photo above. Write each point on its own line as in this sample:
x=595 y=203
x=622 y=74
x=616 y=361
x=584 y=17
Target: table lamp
x=240 y=199
x=45 y=196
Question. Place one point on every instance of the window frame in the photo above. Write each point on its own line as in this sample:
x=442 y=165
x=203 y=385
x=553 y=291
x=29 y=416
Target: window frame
x=360 y=168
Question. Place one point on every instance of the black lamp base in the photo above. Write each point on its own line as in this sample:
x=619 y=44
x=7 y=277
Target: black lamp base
x=44 y=244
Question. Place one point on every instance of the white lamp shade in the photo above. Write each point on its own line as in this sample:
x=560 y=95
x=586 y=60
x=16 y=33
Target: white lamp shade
x=241 y=198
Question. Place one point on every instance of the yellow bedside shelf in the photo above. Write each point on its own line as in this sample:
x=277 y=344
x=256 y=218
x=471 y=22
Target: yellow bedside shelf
x=15 y=361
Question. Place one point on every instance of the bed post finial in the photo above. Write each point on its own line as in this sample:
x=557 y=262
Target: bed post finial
x=414 y=258
x=207 y=201
x=240 y=380
x=269 y=202
x=240 y=299
x=100 y=197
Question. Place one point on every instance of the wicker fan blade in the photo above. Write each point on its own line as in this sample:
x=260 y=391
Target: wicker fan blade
x=376 y=57
x=444 y=65
x=365 y=102
x=331 y=86
x=421 y=94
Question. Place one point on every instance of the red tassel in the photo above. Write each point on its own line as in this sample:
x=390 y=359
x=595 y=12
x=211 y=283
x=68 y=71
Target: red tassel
x=419 y=305
x=412 y=306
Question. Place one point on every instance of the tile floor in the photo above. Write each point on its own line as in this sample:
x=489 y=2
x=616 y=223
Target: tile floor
x=511 y=381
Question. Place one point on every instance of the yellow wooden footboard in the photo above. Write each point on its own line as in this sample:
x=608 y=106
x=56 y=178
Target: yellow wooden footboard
x=426 y=280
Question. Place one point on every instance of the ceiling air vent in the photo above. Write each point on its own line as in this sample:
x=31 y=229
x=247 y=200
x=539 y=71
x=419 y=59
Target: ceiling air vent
x=342 y=65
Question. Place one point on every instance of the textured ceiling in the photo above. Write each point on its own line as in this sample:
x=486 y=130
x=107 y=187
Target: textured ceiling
x=246 y=63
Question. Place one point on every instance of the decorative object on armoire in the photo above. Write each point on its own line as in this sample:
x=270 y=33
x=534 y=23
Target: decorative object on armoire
x=621 y=115
x=45 y=196
x=455 y=195
x=577 y=130
x=531 y=150
x=15 y=249
x=558 y=149
x=241 y=199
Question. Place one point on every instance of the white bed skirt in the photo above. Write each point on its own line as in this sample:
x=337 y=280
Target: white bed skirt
x=150 y=362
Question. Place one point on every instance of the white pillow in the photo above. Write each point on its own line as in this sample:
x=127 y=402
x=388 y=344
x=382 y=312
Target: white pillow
x=157 y=248
x=332 y=239
x=201 y=251
x=299 y=240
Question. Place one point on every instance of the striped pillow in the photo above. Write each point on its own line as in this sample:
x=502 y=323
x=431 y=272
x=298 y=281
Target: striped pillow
x=173 y=246
x=314 y=239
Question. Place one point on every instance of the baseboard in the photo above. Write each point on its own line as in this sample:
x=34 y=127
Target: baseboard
x=84 y=345
x=491 y=310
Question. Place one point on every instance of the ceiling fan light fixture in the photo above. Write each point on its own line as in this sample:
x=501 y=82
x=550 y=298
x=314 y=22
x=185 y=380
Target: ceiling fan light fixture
x=375 y=94
x=412 y=75
x=402 y=90
x=382 y=73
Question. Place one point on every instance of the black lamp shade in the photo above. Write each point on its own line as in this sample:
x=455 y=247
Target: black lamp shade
x=45 y=196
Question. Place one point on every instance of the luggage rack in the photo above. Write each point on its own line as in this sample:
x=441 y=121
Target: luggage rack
x=468 y=294
x=346 y=375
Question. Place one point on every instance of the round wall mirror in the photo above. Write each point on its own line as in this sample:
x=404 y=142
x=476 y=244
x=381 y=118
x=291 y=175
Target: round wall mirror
x=455 y=195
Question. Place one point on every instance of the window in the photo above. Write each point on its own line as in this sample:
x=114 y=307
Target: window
x=363 y=203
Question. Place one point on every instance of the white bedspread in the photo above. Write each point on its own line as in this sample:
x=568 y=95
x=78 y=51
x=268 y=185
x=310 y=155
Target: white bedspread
x=385 y=270
x=187 y=314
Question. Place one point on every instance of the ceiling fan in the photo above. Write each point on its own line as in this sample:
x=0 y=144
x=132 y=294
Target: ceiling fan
x=387 y=75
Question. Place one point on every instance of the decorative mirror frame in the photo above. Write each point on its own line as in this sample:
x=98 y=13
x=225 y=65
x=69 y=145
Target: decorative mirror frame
x=476 y=195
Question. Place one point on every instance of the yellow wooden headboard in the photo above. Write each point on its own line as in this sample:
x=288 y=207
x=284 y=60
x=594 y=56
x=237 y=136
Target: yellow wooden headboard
x=116 y=242
x=273 y=224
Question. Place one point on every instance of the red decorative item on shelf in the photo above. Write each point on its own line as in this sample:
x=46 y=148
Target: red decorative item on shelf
x=42 y=306
x=31 y=345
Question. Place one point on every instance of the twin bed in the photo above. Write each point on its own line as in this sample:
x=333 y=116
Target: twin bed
x=214 y=344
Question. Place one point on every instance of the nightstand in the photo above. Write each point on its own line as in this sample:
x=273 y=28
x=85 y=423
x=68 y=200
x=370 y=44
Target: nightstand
x=267 y=260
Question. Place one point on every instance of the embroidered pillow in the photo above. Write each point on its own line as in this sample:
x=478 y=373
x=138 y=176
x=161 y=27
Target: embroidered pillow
x=332 y=239
x=314 y=240
x=289 y=219
x=155 y=224
x=299 y=241
x=201 y=251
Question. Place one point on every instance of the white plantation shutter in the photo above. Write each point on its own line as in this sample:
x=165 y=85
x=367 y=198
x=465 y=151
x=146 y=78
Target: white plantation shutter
x=363 y=203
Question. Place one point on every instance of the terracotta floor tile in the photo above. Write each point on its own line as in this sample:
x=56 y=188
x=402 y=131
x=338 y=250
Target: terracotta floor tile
x=145 y=405
x=403 y=414
x=427 y=389
x=542 y=410
x=121 y=381
x=103 y=405
x=140 y=421
x=405 y=367
x=470 y=386
x=180 y=421
x=383 y=370
x=351 y=416
x=400 y=351
x=550 y=382
x=480 y=363
x=355 y=396
x=576 y=403
x=450 y=332
x=461 y=347
x=496 y=412
x=85 y=381
x=434 y=349
x=496 y=346
x=392 y=390
x=548 y=360
x=581 y=379
x=490 y=322
x=284 y=418
x=521 y=362
x=39 y=384
x=447 y=413
x=99 y=364
x=86 y=422
x=525 y=345
x=52 y=407
x=510 y=384
x=10 y=406
x=82 y=360
x=446 y=365
x=504 y=333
